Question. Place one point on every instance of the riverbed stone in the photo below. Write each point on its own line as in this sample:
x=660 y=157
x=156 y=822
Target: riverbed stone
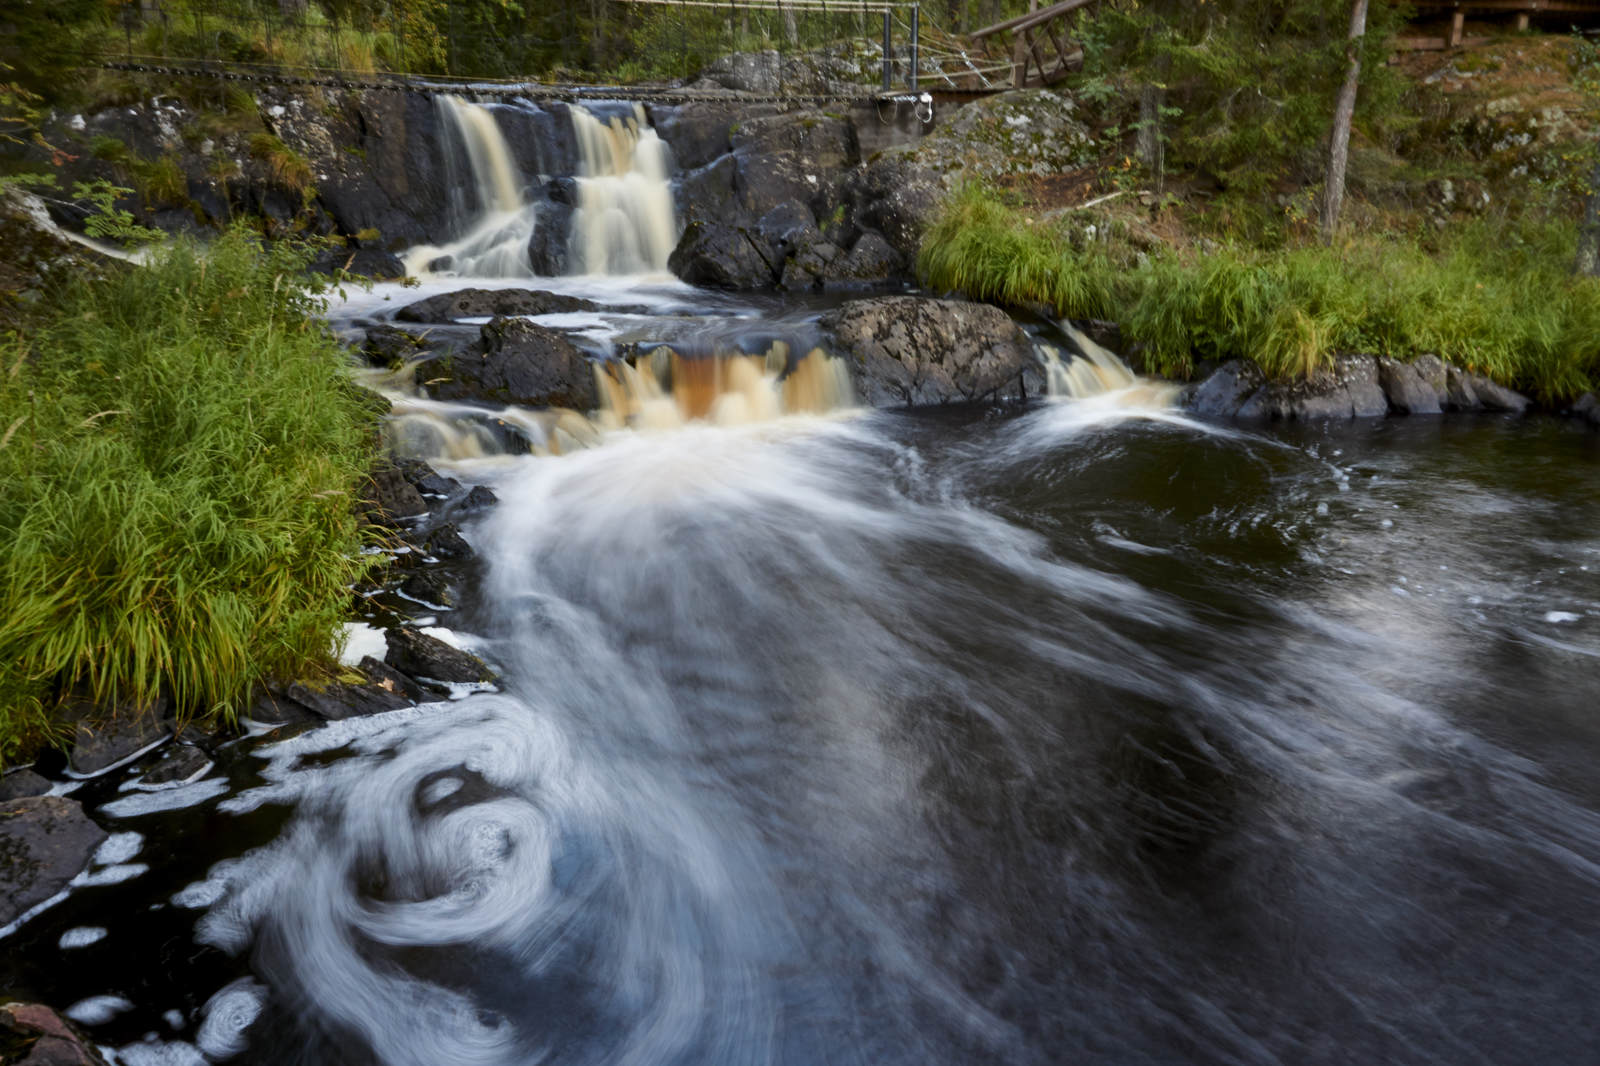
x=915 y=351
x=35 y=1035
x=1459 y=394
x=1225 y=391
x=428 y=658
x=101 y=740
x=338 y=700
x=385 y=676
x=23 y=782
x=179 y=763
x=1412 y=388
x=478 y=303
x=425 y=479
x=388 y=499
x=387 y=346
x=1492 y=396
x=44 y=842
x=718 y=255
x=516 y=362
x=446 y=542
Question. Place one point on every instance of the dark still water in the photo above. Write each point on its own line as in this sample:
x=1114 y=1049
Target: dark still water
x=1075 y=735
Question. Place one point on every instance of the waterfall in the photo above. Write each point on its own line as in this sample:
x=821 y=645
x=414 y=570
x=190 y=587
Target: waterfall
x=497 y=222
x=1097 y=372
x=624 y=222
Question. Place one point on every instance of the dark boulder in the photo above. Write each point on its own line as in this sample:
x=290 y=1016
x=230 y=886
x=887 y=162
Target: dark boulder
x=786 y=226
x=446 y=542
x=388 y=498
x=707 y=194
x=23 y=782
x=1493 y=396
x=101 y=741
x=44 y=842
x=361 y=262
x=429 y=589
x=179 y=763
x=518 y=362
x=911 y=350
x=421 y=656
x=721 y=256
x=696 y=132
x=425 y=479
x=1347 y=389
x=548 y=248
x=339 y=700
x=481 y=498
x=32 y=1034
x=271 y=707
x=385 y=676
x=898 y=195
x=822 y=142
x=872 y=260
x=1416 y=388
x=1459 y=394
x=1226 y=390
x=476 y=303
x=390 y=347
x=1587 y=408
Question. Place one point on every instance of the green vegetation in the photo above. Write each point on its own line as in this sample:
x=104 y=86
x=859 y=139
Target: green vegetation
x=287 y=166
x=178 y=450
x=1494 y=296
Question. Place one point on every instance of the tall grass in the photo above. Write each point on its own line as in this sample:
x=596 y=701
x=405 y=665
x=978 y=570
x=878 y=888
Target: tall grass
x=1493 y=296
x=177 y=455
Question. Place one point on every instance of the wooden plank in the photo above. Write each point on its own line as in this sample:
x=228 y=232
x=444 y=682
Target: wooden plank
x=1457 y=22
x=1033 y=18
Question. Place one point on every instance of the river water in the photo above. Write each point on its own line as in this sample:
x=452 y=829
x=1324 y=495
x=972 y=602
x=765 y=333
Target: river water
x=1086 y=732
x=1083 y=732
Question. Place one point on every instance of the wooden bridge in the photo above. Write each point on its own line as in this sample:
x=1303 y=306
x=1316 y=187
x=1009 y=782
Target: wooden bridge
x=1557 y=14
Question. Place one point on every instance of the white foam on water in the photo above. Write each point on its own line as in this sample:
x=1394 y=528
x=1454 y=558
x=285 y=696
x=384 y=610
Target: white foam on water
x=97 y=1010
x=81 y=937
x=227 y=1016
x=360 y=640
x=32 y=912
x=174 y=1019
x=198 y=895
x=158 y=1053
x=169 y=800
x=1560 y=617
x=118 y=847
x=110 y=875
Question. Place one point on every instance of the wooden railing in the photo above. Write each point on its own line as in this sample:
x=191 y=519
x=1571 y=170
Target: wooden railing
x=1032 y=65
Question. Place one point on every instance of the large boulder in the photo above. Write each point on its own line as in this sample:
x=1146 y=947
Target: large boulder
x=1415 y=388
x=517 y=362
x=915 y=351
x=476 y=303
x=722 y=256
x=1346 y=389
x=1226 y=389
x=419 y=655
x=44 y=842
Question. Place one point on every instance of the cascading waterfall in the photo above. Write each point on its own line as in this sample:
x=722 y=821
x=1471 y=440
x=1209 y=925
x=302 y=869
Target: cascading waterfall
x=624 y=222
x=499 y=223
x=1097 y=372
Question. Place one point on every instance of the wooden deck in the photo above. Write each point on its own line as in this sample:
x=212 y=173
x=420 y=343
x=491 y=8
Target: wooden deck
x=1553 y=13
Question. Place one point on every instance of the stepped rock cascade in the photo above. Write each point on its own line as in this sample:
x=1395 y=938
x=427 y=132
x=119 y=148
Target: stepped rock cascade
x=625 y=223
x=495 y=218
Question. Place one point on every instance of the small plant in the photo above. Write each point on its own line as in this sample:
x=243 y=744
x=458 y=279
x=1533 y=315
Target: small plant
x=162 y=181
x=108 y=221
x=287 y=167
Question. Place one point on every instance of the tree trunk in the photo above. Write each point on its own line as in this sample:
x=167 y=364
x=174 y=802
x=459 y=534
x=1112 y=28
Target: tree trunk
x=1588 y=262
x=1343 y=112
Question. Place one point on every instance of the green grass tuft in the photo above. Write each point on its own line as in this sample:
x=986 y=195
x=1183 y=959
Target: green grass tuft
x=178 y=451
x=287 y=166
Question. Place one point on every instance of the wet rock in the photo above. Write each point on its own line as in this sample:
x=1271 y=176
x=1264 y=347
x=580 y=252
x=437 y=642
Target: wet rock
x=425 y=479
x=389 y=347
x=388 y=498
x=180 y=763
x=786 y=226
x=428 y=588
x=387 y=677
x=697 y=133
x=1226 y=390
x=1493 y=396
x=481 y=498
x=44 y=842
x=707 y=194
x=1459 y=394
x=421 y=656
x=446 y=542
x=518 y=362
x=270 y=707
x=898 y=194
x=1416 y=388
x=100 y=741
x=361 y=262
x=338 y=700
x=548 y=248
x=872 y=259
x=1347 y=389
x=476 y=303
x=38 y=1036
x=913 y=351
x=23 y=782
x=721 y=256
x=1588 y=408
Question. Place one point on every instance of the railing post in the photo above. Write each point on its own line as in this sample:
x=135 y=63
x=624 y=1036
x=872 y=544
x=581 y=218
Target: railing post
x=888 y=53
x=911 y=82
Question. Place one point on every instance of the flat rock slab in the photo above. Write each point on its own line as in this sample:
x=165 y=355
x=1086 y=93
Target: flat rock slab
x=99 y=744
x=477 y=303
x=422 y=656
x=44 y=842
x=518 y=362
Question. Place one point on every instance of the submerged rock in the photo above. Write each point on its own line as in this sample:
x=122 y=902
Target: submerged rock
x=476 y=303
x=914 y=351
x=517 y=362
x=422 y=656
x=44 y=842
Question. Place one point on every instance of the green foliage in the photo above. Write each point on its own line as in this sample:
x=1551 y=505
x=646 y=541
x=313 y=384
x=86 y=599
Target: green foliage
x=108 y=221
x=287 y=167
x=178 y=451
x=1493 y=296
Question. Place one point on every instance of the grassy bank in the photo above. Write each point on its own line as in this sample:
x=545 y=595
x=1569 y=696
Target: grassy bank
x=1493 y=296
x=178 y=448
